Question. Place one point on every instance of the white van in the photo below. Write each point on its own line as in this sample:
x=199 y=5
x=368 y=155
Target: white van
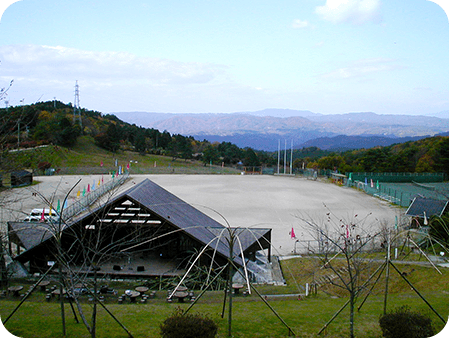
x=36 y=215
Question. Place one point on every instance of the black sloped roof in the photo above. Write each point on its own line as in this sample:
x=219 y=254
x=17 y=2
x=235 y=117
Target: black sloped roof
x=430 y=206
x=167 y=207
x=30 y=234
x=179 y=213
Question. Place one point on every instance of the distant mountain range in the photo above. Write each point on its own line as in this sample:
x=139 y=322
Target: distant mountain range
x=265 y=129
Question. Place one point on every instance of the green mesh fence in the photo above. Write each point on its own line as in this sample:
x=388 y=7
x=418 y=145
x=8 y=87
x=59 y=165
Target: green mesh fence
x=399 y=177
x=403 y=193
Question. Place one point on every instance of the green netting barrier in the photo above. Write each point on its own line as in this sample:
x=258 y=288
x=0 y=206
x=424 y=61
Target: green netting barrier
x=398 y=177
x=403 y=193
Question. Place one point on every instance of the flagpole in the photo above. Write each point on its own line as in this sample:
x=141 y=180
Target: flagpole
x=285 y=158
x=291 y=160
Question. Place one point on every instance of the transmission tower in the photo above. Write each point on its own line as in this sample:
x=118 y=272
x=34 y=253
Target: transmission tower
x=76 y=106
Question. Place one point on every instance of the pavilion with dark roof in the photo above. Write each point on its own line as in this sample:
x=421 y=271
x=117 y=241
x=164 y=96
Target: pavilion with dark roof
x=426 y=207
x=142 y=232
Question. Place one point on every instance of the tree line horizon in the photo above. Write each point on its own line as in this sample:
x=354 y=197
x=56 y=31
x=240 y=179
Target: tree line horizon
x=53 y=122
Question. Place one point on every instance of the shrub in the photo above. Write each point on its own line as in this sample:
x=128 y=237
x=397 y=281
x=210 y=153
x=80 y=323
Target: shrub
x=180 y=325
x=402 y=323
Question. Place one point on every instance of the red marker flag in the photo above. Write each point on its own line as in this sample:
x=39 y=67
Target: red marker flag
x=292 y=234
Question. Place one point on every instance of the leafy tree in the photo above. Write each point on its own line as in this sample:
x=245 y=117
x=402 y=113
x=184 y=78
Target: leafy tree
x=425 y=164
x=332 y=162
x=210 y=154
x=442 y=155
x=164 y=139
x=110 y=140
x=140 y=142
x=66 y=133
x=251 y=159
x=230 y=153
x=180 y=146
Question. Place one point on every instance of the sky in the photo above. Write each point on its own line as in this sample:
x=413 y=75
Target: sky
x=212 y=56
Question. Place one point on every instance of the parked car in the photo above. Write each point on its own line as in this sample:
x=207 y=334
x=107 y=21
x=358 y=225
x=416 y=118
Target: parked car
x=36 y=216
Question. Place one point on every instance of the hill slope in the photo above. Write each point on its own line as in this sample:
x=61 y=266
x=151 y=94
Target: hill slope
x=262 y=131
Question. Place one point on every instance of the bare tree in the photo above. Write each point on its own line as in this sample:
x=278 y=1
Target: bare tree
x=342 y=246
x=77 y=252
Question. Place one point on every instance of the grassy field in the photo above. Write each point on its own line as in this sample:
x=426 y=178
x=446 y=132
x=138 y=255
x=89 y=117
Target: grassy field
x=251 y=317
x=85 y=158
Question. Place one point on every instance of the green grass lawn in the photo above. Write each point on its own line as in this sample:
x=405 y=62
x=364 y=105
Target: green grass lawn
x=85 y=158
x=251 y=316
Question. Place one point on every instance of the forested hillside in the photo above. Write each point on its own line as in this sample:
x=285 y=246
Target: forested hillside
x=53 y=122
x=426 y=155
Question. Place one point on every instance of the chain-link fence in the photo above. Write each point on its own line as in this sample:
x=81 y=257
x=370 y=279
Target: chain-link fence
x=404 y=177
x=204 y=170
x=403 y=193
x=323 y=245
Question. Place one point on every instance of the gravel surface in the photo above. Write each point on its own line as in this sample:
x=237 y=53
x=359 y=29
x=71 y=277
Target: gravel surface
x=277 y=202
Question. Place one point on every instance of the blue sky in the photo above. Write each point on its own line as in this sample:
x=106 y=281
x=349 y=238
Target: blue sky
x=326 y=56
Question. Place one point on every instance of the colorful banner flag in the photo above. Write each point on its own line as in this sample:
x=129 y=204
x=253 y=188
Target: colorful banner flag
x=43 y=215
x=292 y=234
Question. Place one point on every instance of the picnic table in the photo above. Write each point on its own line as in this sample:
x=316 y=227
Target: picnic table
x=237 y=288
x=15 y=290
x=57 y=292
x=43 y=284
x=181 y=288
x=180 y=295
x=132 y=295
x=141 y=289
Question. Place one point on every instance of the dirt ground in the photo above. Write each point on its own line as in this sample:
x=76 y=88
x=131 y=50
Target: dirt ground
x=277 y=202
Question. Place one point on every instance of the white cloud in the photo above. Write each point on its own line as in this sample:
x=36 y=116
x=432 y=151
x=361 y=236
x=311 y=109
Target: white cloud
x=300 y=24
x=361 y=68
x=60 y=63
x=352 y=11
